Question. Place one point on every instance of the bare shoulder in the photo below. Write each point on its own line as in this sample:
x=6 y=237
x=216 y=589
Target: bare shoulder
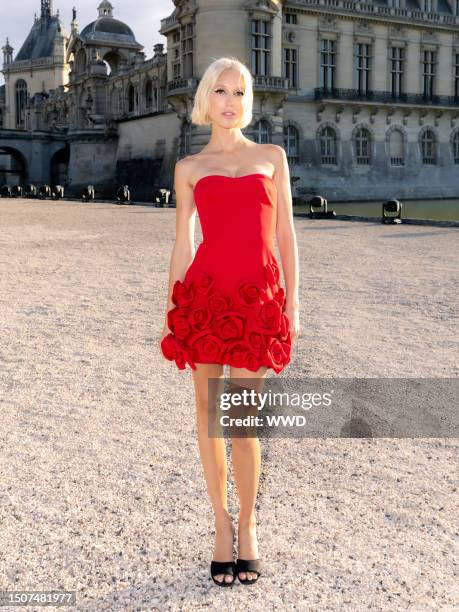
x=183 y=170
x=186 y=167
x=277 y=152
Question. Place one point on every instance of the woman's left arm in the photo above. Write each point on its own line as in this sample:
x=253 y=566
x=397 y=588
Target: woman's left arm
x=286 y=239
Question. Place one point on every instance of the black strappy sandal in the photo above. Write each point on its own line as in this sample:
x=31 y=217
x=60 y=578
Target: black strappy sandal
x=248 y=565
x=222 y=567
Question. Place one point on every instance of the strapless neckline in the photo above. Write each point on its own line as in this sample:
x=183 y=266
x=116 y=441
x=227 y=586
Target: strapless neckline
x=243 y=176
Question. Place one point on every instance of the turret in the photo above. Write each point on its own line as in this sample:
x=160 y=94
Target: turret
x=7 y=53
x=105 y=9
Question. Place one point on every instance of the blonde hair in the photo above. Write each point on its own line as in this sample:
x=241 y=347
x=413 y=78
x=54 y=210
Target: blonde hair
x=199 y=114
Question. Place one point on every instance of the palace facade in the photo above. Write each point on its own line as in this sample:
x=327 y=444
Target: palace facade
x=363 y=96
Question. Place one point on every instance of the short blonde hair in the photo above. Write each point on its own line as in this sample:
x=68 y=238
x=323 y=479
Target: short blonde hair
x=199 y=114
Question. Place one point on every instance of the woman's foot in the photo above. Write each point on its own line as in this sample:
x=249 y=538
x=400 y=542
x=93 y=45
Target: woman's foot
x=247 y=544
x=223 y=549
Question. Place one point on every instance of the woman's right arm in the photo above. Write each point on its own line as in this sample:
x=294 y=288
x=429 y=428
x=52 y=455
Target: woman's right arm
x=185 y=217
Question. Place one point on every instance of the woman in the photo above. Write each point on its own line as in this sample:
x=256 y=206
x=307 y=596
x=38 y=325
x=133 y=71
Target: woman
x=225 y=304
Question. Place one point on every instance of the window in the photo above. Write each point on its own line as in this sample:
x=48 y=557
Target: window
x=291 y=66
x=262 y=131
x=21 y=101
x=328 y=146
x=362 y=65
x=428 y=6
x=148 y=94
x=327 y=63
x=396 y=148
x=291 y=140
x=1 y=118
x=187 y=49
x=428 y=73
x=428 y=150
x=456 y=75
x=291 y=18
x=362 y=146
x=455 y=143
x=396 y=70
x=261 y=46
x=133 y=99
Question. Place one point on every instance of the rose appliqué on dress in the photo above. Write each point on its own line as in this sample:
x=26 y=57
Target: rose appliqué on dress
x=248 y=329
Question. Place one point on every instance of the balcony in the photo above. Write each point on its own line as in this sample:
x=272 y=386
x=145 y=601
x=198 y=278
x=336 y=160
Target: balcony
x=385 y=97
x=270 y=83
x=182 y=85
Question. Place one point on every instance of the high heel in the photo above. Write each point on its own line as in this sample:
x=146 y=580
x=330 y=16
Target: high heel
x=248 y=565
x=223 y=567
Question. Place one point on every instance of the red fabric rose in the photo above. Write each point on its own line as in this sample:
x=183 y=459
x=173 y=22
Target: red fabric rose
x=251 y=293
x=239 y=355
x=230 y=325
x=219 y=303
x=178 y=322
x=182 y=294
x=207 y=346
x=174 y=352
x=199 y=318
x=269 y=318
x=280 y=296
x=278 y=354
x=284 y=327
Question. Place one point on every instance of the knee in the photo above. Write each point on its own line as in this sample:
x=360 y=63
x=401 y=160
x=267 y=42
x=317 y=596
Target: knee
x=244 y=444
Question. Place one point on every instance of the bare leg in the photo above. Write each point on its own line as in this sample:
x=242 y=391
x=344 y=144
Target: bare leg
x=246 y=464
x=213 y=458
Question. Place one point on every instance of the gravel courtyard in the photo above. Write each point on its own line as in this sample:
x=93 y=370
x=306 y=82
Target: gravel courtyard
x=101 y=485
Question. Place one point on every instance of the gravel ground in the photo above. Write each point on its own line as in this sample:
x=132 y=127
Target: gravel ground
x=101 y=483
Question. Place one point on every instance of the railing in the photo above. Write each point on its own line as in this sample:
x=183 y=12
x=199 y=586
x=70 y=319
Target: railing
x=387 y=97
x=380 y=10
x=270 y=82
x=182 y=83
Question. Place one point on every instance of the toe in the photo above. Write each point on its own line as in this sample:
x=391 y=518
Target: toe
x=219 y=577
x=229 y=578
x=242 y=575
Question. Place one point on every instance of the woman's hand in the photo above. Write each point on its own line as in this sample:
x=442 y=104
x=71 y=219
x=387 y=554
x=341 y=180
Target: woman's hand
x=293 y=313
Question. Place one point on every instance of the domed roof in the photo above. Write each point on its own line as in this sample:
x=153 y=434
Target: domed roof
x=108 y=27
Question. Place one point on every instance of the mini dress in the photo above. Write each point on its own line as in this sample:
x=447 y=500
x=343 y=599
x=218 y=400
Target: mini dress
x=230 y=306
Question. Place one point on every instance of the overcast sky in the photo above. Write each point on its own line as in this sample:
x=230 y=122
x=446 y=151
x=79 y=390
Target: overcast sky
x=142 y=16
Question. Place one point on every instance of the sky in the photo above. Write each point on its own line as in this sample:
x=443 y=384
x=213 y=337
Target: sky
x=142 y=16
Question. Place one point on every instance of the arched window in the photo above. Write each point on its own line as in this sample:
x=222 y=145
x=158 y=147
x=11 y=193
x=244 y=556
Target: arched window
x=362 y=141
x=262 y=131
x=428 y=148
x=80 y=61
x=132 y=98
x=455 y=143
x=148 y=94
x=21 y=101
x=396 y=153
x=328 y=146
x=291 y=140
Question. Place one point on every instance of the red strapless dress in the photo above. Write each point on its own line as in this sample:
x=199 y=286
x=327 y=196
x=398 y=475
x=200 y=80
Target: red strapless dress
x=230 y=306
